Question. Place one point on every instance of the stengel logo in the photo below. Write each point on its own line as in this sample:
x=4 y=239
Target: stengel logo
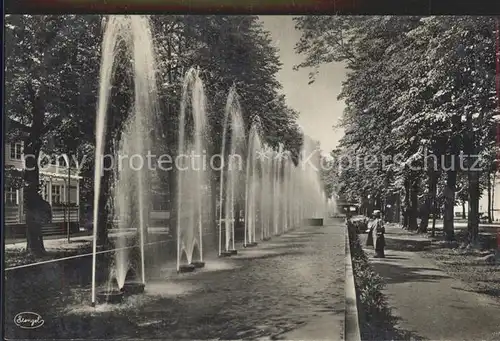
x=28 y=320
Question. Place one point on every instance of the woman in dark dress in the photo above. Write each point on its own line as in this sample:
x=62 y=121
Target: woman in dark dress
x=380 y=238
x=371 y=226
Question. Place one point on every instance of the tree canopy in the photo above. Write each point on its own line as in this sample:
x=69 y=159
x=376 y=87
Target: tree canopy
x=418 y=90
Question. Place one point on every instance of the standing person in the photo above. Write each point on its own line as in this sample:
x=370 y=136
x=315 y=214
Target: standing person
x=350 y=226
x=379 y=233
x=371 y=228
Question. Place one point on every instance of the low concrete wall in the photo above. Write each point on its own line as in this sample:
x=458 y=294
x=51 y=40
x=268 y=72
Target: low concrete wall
x=351 y=323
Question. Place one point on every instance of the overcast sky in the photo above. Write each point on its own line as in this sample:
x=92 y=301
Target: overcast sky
x=317 y=103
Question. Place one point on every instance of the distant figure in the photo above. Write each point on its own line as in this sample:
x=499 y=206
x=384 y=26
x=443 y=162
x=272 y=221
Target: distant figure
x=379 y=233
x=349 y=224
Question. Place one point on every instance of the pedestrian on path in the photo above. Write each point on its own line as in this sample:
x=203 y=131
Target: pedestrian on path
x=379 y=235
x=371 y=229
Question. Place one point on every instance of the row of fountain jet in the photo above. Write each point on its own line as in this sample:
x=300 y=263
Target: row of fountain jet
x=275 y=192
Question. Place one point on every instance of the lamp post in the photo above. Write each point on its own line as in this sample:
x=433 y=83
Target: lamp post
x=70 y=149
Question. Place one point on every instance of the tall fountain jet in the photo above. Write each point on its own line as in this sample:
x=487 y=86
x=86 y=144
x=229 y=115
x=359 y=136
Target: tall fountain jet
x=333 y=205
x=313 y=203
x=130 y=35
x=252 y=184
x=266 y=193
x=277 y=188
x=231 y=187
x=285 y=203
x=192 y=175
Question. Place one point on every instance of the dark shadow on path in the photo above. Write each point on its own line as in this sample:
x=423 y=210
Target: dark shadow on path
x=394 y=273
x=398 y=244
x=395 y=257
x=290 y=244
x=265 y=254
x=286 y=241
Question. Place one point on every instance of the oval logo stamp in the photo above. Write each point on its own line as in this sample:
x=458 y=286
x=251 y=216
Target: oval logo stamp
x=28 y=320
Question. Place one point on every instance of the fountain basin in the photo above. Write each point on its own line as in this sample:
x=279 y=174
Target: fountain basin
x=198 y=264
x=133 y=288
x=252 y=244
x=186 y=268
x=114 y=296
x=225 y=254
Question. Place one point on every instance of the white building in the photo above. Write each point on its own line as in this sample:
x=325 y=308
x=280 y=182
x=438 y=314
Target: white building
x=60 y=188
x=483 y=202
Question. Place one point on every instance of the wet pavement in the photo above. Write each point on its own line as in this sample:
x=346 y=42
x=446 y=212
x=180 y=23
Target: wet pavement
x=291 y=287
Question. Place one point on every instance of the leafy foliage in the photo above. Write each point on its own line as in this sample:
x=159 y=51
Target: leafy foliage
x=418 y=90
x=52 y=72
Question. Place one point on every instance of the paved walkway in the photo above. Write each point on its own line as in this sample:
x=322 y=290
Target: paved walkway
x=428 y=302
x=325 y=326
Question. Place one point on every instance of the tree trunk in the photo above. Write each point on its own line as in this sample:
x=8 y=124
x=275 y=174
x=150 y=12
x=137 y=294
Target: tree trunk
x=449 y=205
x=429 y=201
x=364 y=205
x=490 y=218
x=397 y=218
x=473 y=220
x=473 y=177
x=493 y=197
x=451 y=181
x=214 y=212
x=406 y=208
x=369 y=206
x=34 y=203
x=464 y=216
x=413 y=225
x=434 y=214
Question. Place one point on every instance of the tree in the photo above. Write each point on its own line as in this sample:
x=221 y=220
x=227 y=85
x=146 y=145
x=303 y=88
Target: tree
x=40 y=53
x=422 y=90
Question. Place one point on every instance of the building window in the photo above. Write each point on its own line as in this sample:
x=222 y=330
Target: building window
x=56 y=194
x=16 y=151
x=11 y=196
x=62 y=161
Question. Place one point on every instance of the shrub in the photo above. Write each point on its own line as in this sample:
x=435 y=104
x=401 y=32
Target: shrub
x=376 y=320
